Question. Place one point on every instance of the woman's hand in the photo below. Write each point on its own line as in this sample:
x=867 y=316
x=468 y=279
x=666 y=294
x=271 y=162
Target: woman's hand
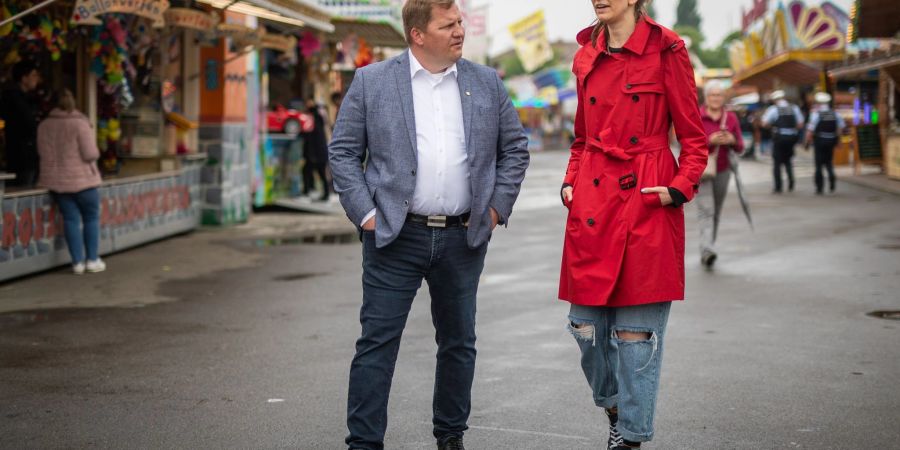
x=566 y=194
x=722 y=138
x=663 y=192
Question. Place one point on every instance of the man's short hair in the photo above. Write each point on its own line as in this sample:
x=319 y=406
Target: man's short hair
x=22 y=69
x=417 y=14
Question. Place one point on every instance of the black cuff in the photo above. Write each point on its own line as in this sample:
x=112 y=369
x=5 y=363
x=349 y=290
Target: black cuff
x=678 y=198
x=564 y=186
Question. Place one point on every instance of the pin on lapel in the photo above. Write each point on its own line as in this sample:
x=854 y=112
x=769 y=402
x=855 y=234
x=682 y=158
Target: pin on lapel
x=468 y=93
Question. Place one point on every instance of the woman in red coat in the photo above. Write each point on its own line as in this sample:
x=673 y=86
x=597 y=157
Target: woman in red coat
x=623 y=260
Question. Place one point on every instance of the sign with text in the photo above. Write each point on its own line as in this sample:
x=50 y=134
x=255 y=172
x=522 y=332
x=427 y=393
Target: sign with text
x=531 y=42
x=191 y=19
x=86 y=11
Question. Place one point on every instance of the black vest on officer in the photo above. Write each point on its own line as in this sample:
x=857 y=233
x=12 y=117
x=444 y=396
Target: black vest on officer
x=825 y=132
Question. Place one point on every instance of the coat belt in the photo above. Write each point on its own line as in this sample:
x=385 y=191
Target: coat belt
x=646 y=144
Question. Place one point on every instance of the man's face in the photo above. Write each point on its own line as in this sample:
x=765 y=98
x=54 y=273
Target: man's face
x=444 y=36
x=31 y=81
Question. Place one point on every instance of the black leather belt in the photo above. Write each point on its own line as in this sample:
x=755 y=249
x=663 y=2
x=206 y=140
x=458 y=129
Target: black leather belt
x=439 y=221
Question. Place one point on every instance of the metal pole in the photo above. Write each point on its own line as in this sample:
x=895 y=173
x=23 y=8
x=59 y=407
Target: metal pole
x=26 y=12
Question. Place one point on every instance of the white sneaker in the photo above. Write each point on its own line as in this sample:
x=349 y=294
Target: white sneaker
x=96 y=266
x=78 y=269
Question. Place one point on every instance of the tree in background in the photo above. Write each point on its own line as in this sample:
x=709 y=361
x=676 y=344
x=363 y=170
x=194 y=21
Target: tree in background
x=686 y=14
x=651 y=11
x=713 y=58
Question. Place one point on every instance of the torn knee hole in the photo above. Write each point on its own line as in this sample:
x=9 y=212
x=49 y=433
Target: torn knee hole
x=583 y=331
x=627 y=335
x=632 y=336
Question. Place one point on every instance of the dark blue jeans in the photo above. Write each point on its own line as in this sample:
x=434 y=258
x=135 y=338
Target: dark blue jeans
x=77 y=209
x=391 y=277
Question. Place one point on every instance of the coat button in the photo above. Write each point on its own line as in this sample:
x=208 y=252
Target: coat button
x=635 y=98
x=590 y=222
x=414 y=172
x=596 y=182
x=627 y=86
x=633 y=140
x=593 y=100
x=405 y=202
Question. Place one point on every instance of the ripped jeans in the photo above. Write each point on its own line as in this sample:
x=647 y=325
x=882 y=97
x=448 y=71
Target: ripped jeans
x=623 y=374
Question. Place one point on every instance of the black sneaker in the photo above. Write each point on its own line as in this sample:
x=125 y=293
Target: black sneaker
x=615 y=439
x=454 y=443
x=708 y=259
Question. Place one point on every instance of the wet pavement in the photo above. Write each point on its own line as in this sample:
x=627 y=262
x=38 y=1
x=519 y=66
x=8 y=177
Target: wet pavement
x=242 y=338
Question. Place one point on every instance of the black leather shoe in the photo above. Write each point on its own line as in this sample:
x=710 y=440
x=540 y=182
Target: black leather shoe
x=454 y=443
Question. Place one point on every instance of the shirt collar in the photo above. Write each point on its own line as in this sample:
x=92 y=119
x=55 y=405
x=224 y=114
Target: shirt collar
x=415 y=67
x=636 y=43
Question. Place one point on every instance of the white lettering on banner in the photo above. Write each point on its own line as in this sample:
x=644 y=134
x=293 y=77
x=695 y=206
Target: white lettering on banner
x=86 y=11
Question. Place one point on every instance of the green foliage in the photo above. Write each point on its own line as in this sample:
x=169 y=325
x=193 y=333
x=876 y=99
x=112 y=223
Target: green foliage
x=713 y=58
x=686 y=14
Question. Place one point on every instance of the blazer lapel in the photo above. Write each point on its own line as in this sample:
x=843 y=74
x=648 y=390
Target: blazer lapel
x=404 y=88
x=463 y=79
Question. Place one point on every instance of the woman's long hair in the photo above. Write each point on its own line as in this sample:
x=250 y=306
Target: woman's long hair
x=640 y=8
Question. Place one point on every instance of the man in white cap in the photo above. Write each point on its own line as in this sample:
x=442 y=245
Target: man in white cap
x=824 y=130
x=786 y=121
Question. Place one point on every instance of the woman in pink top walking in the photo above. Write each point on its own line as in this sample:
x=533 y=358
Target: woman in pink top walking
x=68 y=152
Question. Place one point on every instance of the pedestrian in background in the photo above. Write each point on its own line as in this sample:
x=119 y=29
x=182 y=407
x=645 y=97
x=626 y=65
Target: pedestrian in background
x=786 y=121
x=445 y=157
x=18 y=109
x=68 y=155
x=315 y=153
x=623 y=260
x=723 y=131
x=824 y=130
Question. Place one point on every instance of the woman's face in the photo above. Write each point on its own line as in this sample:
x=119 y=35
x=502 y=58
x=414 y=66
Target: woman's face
x=715 y=98
x=611 y=11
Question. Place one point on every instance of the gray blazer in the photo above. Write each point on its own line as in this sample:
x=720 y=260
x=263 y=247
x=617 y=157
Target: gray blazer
x=377 y=121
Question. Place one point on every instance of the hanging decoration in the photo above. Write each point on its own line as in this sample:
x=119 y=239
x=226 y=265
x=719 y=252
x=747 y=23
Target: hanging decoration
x=310 y=44
x=364 y=54
x=40 y=32
x=109 y=51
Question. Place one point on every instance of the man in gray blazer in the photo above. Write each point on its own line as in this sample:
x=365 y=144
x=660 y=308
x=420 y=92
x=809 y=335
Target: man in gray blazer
x=428 y=156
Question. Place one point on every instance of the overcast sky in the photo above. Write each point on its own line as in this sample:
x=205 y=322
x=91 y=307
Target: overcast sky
x=566 y=17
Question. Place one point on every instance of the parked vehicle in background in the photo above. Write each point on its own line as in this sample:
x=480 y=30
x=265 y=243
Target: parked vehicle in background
x=289 y=121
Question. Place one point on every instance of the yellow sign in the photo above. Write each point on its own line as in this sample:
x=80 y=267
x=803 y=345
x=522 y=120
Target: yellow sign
x=530 y=39
x=86 y=11
x=192 y=19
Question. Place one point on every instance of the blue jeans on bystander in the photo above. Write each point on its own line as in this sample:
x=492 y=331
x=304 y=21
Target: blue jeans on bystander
x=81 y=217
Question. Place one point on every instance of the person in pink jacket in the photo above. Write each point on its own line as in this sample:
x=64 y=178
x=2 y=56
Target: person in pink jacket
x=68 y=153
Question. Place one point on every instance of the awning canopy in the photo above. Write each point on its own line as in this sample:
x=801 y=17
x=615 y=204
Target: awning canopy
x=865 y=63
x=300 y=13
x=877 y=18
x=791 y=67
x=376 y=33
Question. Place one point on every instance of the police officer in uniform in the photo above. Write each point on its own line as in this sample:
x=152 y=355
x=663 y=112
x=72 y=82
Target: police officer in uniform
x=786 y=121
x=824 y=129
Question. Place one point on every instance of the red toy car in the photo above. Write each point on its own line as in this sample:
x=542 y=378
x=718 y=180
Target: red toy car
x=289 y=121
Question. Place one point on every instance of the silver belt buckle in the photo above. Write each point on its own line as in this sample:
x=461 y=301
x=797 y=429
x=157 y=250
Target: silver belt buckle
x=437 y=221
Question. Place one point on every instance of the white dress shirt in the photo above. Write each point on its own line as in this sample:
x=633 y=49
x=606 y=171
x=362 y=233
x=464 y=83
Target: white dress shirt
x=442 y=175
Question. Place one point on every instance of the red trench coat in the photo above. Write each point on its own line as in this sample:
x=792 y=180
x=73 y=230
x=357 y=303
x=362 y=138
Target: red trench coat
x=623 y=247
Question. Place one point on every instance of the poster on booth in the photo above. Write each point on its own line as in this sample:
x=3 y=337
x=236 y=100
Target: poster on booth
x=531 y=42
x=86 y=11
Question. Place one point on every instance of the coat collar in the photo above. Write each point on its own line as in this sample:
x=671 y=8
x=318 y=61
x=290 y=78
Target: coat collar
x=636 y=43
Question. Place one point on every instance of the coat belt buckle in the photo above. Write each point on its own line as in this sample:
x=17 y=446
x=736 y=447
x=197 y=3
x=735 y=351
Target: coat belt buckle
x=437 y=221
x=627 y=182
